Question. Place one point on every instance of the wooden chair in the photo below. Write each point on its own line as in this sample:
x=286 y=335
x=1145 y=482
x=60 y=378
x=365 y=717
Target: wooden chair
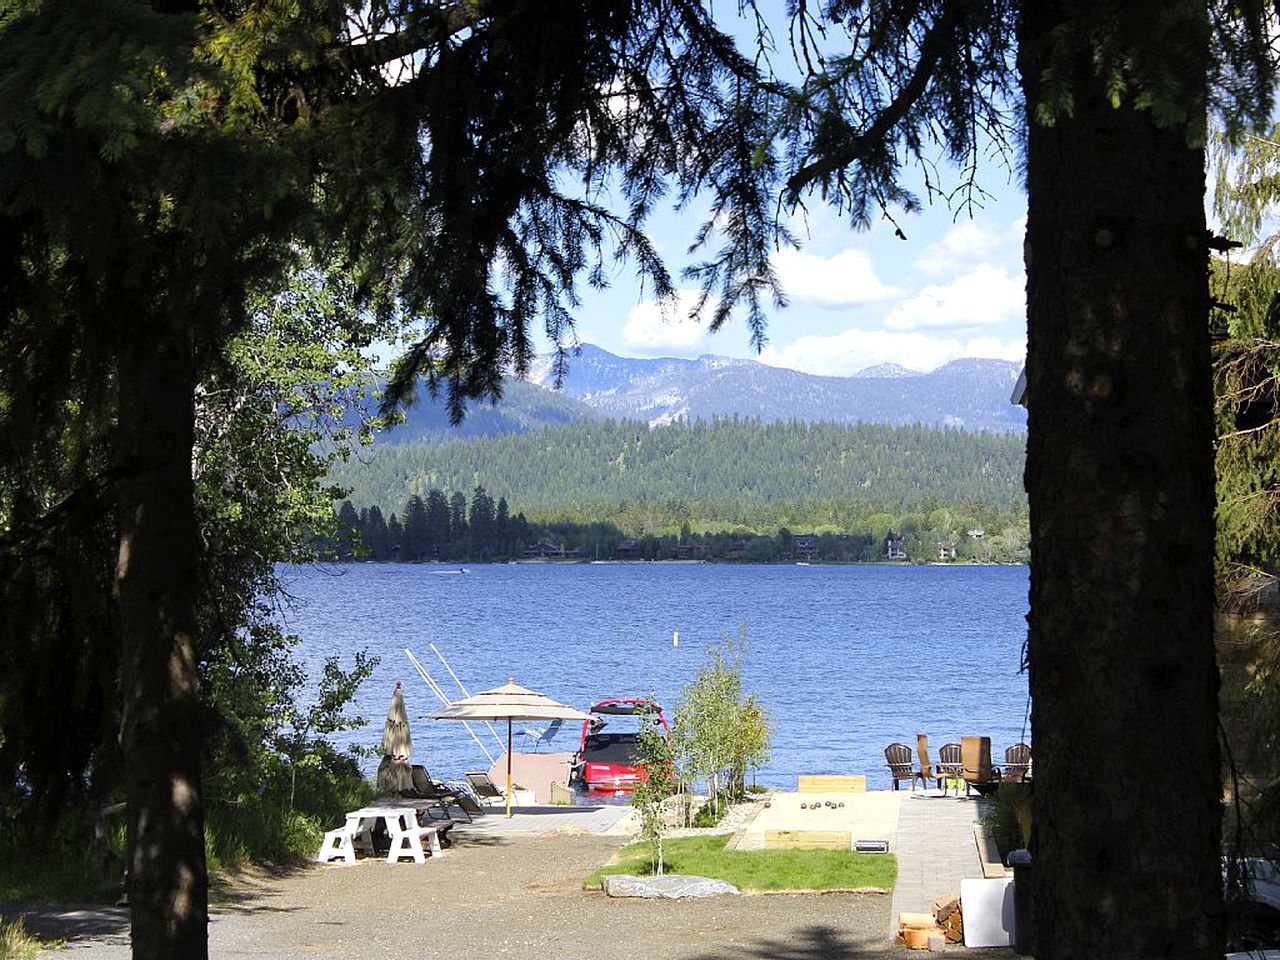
x=979 y=775
x=1017 y=763
x=927 y=770
x=898 y=756
x=950 y=762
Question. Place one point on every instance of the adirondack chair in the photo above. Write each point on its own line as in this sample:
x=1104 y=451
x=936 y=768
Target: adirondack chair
x=1017 y=763
x=898 y=756
x=950 y=765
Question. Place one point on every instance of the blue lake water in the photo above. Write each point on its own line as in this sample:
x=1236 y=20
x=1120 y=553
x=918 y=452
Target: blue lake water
x=846 y=658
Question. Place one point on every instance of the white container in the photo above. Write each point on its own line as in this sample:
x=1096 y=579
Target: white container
x=987 y=906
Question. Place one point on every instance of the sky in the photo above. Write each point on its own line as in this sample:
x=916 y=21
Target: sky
x=954 y=288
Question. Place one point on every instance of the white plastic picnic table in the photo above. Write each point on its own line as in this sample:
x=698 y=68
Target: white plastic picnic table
x=401 y=820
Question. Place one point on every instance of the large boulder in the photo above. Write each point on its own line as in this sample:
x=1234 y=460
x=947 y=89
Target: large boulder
x=665 y=888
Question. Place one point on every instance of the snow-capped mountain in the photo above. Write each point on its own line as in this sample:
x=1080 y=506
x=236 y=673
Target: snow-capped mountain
x=972 y=394
x=967 y=394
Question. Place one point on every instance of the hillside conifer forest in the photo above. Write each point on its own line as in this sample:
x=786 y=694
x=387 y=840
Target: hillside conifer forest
x=726 y=489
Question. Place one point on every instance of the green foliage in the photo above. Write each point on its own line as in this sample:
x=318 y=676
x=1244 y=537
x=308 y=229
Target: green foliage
x=1247 y=372
x=1010 y=819
x=725 y=471
x=656 y=759
x=712 y=488
x=271 y=418
x=1247 y=405
x=717 y=732
x=710 y=813
x=757 y=870
x=63 y=869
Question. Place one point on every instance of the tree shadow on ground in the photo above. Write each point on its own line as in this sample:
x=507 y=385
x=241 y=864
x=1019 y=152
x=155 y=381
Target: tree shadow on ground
x=810 y=943
x=58 y=921
x=829 y=943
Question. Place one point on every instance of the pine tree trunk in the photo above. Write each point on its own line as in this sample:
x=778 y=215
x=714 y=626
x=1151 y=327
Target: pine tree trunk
x=156 y=587
x=1120 y=479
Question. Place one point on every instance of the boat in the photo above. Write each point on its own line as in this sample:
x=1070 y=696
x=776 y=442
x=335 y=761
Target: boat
x=607 y=757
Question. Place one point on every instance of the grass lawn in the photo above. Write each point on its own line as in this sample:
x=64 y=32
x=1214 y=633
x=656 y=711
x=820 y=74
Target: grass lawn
x=757 y=870
x=28 y=877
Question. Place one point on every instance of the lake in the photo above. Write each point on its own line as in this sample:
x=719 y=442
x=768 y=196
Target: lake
x=847 y=658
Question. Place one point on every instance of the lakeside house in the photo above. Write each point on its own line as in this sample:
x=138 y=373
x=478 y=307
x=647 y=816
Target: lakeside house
x=629 y=550
x=893 y=547
x=690 y=551
x=804 y=546
x=546 y=550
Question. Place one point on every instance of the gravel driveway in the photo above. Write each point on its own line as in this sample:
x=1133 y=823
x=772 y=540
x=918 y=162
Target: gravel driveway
x=509 y=897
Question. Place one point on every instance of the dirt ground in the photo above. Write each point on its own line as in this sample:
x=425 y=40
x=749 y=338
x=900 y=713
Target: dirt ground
x=508 y=897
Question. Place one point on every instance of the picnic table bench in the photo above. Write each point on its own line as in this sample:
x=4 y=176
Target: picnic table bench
x=400 y=818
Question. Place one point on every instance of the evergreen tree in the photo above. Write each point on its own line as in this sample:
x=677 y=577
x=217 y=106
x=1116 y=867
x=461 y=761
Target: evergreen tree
x=204 y=142
x=348 y=531
x=438 y=531
x=415 y=544
x=376 y=534
x=395 y=539
x=457 y=517
x=503 y=531
x=197 y=145
x=1115 y=100
x=481 y=523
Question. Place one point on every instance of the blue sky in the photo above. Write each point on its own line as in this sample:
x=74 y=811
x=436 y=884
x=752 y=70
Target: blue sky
x=954 y=288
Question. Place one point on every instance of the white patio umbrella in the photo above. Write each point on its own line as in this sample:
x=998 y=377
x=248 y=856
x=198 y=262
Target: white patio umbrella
x=509 y=702
x=394 y=773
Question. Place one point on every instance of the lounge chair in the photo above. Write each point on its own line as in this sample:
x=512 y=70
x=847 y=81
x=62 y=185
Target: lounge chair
x=484 y=788
x=1017 y=763
x=536 y=738
x=442 y=796
x=898 y=756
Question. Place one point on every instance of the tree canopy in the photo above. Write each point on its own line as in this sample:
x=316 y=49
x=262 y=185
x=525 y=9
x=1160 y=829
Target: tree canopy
x=159 y=160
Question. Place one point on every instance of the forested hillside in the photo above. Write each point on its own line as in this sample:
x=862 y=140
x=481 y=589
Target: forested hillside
x=712 y=476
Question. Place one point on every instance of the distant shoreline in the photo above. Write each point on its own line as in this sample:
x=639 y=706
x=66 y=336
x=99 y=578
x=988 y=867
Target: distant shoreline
x=720 y=562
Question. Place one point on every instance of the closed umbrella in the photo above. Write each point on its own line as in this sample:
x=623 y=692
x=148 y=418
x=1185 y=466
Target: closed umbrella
x=509 y=702
x=394 y=772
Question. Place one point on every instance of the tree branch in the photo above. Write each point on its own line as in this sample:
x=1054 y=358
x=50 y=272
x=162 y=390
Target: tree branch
x=935 y=43
x=433 y=28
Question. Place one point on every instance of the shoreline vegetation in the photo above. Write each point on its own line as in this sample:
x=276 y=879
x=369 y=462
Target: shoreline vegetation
x=451 y=530
x=673 y=562
x=730 y=489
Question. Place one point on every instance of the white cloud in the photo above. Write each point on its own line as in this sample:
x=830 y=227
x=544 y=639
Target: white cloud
x=665 y=326
x=984 y=297
x=843 y=280
x=852 y=350
x=967 y=243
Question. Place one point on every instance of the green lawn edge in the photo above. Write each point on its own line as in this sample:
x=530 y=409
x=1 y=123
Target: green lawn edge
x=756 y=871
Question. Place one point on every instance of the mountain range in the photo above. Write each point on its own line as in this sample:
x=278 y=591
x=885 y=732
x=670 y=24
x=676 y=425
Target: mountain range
x=970 y=394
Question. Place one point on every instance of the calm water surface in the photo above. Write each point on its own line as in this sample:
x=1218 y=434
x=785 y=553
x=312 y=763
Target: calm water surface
x=847 y=658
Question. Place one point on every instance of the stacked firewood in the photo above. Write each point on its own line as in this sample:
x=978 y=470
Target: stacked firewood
x=947 y=914
x=931 y=931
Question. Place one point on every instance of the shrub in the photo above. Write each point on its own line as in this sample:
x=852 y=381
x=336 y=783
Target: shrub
x=1010 y=823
